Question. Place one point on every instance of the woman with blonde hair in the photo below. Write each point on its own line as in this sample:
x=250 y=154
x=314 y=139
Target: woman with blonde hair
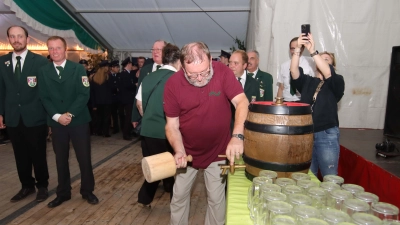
x=322 y=92
x=102 y=100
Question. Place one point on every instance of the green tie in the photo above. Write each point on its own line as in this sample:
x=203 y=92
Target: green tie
x=239 y=80
x=17 y=71
x=60 y=70
x=292 y=88
x=158 y=67
x=250 y=74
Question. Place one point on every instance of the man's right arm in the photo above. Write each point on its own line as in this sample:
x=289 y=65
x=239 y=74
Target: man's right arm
x=174 y=137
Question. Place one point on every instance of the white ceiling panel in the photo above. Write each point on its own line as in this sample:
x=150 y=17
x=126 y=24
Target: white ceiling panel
x=135 y=25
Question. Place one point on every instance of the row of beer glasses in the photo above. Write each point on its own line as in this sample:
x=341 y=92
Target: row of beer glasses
x=299 y=200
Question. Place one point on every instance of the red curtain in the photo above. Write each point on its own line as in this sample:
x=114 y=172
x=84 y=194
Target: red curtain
x=357 y=170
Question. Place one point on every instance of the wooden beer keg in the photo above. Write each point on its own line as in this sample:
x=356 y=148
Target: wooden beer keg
x=278 y=137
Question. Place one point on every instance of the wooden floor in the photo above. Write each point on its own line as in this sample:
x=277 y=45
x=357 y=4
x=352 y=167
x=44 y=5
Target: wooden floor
x=118 y=177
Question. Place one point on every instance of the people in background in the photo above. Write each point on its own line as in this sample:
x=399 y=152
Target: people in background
x=26 y=117
x=285 y=90
x=224 y=57
x=150 y=105
x=238 y=63
x=196 y=103
x=64 y=92
x=127 y=92
x=102 y=99
x=114 y=79
x=322 y=92
x=156 y=53
x=265 y=79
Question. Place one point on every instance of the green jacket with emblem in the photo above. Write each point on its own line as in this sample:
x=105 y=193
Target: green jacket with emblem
x=153 y=121
x=20 y=98
x=70 y=93
x=265 y=80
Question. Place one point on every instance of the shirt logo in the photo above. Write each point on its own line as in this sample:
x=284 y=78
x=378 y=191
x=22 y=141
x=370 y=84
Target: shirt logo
x=213 y=93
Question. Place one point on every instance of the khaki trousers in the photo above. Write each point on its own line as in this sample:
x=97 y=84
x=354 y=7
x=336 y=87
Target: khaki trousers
x=215 y=185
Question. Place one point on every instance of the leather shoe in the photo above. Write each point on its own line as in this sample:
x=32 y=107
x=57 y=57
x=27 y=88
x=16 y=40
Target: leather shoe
x=57 y=201
x=42 y=194
x=22 y=194
x=127 y=138
x=91 y=198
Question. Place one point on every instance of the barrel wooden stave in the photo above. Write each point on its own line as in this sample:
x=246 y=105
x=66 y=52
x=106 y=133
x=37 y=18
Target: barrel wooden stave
x=278 y=148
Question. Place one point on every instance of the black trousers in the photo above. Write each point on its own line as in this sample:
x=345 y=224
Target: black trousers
x=125 y=111
x=152 y=146
x=114 y=116
x=103 y=119
x=29 y=144
x=80 y=138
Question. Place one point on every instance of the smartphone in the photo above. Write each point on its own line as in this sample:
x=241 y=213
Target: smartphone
x=305 y=29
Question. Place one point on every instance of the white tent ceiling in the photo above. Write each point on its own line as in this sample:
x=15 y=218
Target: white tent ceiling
x=134 y=25
x=38 y=39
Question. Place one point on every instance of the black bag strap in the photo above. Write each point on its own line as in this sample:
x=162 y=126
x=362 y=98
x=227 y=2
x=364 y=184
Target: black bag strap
x=152 y=90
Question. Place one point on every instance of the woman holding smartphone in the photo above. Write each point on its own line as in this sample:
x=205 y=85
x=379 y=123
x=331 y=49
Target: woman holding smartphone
x=322 y=92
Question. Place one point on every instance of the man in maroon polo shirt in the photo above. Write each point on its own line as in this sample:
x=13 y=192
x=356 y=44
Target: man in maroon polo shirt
x=197 y=107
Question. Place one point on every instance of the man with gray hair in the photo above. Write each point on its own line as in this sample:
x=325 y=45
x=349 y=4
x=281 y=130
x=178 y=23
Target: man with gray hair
x=265 y=79
x=197 y=107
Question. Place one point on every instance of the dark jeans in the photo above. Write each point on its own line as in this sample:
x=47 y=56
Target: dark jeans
x=29 y=144
x=152 y=146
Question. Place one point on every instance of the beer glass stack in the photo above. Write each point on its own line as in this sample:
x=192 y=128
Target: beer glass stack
x=299 y=200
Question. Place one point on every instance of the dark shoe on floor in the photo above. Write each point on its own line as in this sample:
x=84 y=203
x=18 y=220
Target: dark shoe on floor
x=42 y=194
x=57 y=201
x=91 y=198
x=115 y=131
x=22 y=194
x=127 y=138
x=144 y=206
x=2 y=143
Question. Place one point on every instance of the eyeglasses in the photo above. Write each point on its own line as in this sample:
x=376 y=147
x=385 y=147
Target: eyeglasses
x=156 y=49
x=202 y=74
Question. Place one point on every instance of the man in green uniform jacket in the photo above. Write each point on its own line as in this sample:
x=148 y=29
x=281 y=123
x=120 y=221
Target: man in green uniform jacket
x=265 y=79
x=25 y=115
x=64 y=91
x=156 y=53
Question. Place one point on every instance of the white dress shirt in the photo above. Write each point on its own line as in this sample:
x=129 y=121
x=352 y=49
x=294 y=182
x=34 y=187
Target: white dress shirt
x=22 y=60
x=243 y=79
x=308 y=65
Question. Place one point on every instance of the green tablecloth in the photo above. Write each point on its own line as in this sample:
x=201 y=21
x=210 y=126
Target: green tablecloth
x=236 y=198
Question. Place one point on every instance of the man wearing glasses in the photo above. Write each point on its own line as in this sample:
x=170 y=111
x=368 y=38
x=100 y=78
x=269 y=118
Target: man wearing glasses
x=197 y=107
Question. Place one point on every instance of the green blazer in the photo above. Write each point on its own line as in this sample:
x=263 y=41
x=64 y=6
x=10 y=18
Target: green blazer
x=146 y=70
x=265 y=80
x=251 y=88
x=20 y=98
x=153 y=121
x=68 y=94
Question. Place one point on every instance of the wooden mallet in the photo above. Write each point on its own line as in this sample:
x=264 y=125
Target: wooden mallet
x=160 y=166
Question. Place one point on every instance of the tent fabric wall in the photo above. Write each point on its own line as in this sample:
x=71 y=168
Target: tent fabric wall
x=50 y=19
x=360 y=33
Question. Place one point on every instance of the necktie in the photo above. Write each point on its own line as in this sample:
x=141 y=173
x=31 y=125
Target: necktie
x=17 y=70
x=250 y=74
x=239 y=80
x=60 y=70
x=292 y=88
x=158 y=67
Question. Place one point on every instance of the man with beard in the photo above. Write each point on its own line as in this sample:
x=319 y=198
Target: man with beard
x=197 y=107
x=265 y=79
x=26 y=117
